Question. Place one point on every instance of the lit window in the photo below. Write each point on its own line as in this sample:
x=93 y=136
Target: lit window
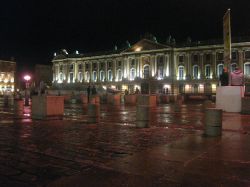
x=180 y=72
x=247 y=69
x=119 y=73
x=233 y=66
x=71 y=77
x=101 y=75
x=146 y=71
x=195 y=71
x=207 y=71
x=219 y=69
x=132 y=74
x=94 y=76
x=80 y=76
x=87 y=76
x=109 y=75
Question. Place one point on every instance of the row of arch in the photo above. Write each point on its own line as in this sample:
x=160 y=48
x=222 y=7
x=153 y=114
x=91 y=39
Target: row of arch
x=208 y=71
x=87 y=77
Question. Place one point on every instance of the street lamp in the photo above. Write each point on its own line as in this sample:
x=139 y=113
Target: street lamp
x=26 y=99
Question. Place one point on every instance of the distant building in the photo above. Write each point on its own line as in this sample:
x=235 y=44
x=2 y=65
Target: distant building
x=43 y=73
x=191 y=68
x=7 y=76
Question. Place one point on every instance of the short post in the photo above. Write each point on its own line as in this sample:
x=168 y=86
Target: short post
x=142 y=116
x=213 y=122
x=93 y=113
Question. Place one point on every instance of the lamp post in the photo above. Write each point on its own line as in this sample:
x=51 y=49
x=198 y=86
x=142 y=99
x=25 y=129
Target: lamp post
x=26 y=99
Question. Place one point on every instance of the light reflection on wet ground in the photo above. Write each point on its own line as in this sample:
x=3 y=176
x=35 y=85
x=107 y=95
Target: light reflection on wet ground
x=39 y=151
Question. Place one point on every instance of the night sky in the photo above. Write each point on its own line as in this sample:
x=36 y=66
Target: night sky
x=31 y=31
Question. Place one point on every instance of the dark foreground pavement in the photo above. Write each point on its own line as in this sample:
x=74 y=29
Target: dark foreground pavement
x=172 y=152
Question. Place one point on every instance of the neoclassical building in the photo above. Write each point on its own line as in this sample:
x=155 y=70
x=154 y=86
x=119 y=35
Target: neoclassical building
x=7 y=76
x=152 y=67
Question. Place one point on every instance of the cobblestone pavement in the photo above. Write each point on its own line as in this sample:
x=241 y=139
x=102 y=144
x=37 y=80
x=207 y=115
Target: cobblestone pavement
x=73 y=152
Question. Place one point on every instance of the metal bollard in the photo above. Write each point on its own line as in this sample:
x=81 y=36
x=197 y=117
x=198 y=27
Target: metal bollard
x=93 y=113
x=142 y=116
x=213 y=122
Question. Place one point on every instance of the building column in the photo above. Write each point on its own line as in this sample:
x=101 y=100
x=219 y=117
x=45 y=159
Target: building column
x=141 y=67
x=83 y=69
x=66 y=72
x=98 y=72
x=165 y=66
x=76 y=71
x=202 y=75
x=114 y=70
x=241 y=59
x=137 y=67
x=152 y=66
x=174 y=67
x=127 y=68
x=106 y=70
x=214 y=64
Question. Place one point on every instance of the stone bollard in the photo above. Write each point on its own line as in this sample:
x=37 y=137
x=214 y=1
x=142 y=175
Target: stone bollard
x=93 y=113
x=130 y=99
x=245 y=105
x=148 y=100
x=142 y=116
x=95 y=99
x=47 y=107
x=213 y=122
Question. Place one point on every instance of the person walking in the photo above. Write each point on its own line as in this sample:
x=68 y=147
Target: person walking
x=93 y=91
x=88 y=92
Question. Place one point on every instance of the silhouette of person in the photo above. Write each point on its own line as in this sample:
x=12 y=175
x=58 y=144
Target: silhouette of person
x=88 y=92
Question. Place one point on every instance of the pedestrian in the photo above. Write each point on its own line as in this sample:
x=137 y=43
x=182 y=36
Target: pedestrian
x=93 y=90
x=137 y=91
x=88 y=92
x=126 y=92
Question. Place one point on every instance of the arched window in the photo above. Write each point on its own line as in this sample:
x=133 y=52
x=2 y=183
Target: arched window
x=60 y=77
x=71 y=77
x=196 y=72
x=119 y=75
x=94 y=76
x=102 y=76
x=219 y=69
x=180 y=73
x=71 y=67
x=160 y=65
x=146 y=72
x=87 y=76
x=208 y=71
x=80 y=66
x=132 y=74
x=80 y=76
x=247 y=69
x=233 y=66
x=109 y=75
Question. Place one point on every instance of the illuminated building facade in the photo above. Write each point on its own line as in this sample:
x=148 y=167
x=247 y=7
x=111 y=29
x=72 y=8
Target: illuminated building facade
x=7 y=76
x=149 y=65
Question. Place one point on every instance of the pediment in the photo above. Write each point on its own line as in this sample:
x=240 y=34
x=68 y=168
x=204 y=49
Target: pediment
x=145 y=45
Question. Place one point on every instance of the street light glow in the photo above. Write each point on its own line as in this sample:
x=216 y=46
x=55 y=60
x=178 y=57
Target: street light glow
x=27 y=77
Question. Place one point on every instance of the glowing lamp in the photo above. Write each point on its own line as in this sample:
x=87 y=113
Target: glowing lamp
x=27 y=77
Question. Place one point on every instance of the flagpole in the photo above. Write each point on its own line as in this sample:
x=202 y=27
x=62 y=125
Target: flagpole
x=227 y=41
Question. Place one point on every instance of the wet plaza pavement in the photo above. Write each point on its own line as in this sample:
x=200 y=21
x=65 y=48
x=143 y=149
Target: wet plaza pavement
x=113 y=152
